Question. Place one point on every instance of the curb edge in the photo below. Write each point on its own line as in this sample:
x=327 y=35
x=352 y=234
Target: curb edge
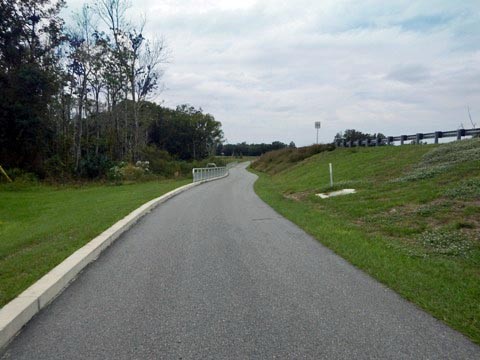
x=18 y=312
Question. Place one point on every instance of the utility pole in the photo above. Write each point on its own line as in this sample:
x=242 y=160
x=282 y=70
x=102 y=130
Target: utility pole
x=317 y=126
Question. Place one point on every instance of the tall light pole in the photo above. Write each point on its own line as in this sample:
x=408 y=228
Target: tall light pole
x=317 y=126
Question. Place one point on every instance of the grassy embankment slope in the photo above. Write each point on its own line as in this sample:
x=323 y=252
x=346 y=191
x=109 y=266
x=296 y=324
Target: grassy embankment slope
x=42 y=225
x=414 y=223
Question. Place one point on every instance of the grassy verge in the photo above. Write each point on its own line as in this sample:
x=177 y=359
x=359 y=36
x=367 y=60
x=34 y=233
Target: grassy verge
x=42 y=225
x=414 y=223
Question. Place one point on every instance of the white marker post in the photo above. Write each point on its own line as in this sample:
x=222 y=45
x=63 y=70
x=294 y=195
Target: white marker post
x=331 y=174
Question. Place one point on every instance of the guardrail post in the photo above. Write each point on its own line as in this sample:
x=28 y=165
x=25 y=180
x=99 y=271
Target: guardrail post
x=438 y=135
x=419 y=136
x=460 y=133
x=402 y=139
x=389 y=140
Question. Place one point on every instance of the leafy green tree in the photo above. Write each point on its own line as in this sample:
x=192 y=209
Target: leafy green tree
x=185 y=132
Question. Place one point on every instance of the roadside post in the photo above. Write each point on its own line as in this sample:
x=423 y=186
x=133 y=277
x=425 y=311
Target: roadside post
x=331 y=174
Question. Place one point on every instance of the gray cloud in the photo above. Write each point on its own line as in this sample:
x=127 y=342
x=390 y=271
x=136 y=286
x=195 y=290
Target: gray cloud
x=409 y=74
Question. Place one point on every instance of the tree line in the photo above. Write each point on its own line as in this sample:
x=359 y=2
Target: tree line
x=354 y=135
x=75 y=99
x=244 y=149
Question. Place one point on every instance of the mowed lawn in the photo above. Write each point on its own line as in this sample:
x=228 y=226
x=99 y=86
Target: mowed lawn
x=42 y=225
x=414 y=223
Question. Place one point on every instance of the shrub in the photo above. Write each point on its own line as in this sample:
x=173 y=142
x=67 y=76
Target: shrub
x=159 y=161
x=131 y=172
x=94 y=166
x=145 y=165
x=115 y=173
x=125 y=172
x=21 y=176
x=21 y=180
x=55 y=168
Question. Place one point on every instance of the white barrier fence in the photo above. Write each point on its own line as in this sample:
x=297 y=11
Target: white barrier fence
x=201 y=174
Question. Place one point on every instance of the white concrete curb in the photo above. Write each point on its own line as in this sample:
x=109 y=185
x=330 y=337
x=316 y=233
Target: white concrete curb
x=15 y=314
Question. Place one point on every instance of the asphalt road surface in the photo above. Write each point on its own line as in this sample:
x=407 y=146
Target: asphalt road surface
x=215 y=273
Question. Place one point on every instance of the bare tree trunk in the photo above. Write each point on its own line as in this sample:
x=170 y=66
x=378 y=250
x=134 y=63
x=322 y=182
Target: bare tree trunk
x=81 y=99
x=97 y=121
x=135 y=120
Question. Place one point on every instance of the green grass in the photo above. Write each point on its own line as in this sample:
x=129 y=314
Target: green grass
x=414 y=223
x=42 y=225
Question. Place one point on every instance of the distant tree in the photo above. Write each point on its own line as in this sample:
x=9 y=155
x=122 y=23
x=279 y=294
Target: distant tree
x=244 y=149
x=292 y=145
x=185 y=132
x=354 y=135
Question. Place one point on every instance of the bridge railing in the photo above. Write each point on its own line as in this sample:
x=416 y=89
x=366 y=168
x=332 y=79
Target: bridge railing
x=201 y=174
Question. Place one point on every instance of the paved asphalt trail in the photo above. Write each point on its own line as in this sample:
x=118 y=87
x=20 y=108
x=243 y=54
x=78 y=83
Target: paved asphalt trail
x=216 y=273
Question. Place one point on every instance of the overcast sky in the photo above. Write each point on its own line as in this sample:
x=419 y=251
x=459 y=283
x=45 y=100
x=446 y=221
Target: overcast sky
x=269 y=69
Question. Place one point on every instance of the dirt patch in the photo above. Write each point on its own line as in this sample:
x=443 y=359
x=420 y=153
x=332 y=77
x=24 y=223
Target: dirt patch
x=298 y=196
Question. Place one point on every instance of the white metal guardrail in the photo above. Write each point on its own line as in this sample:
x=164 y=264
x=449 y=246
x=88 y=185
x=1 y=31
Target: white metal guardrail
x=200 y=174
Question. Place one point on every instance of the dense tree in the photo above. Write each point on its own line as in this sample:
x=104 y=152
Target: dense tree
x=30 y=31
x=75 y=101
x=186 y=132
